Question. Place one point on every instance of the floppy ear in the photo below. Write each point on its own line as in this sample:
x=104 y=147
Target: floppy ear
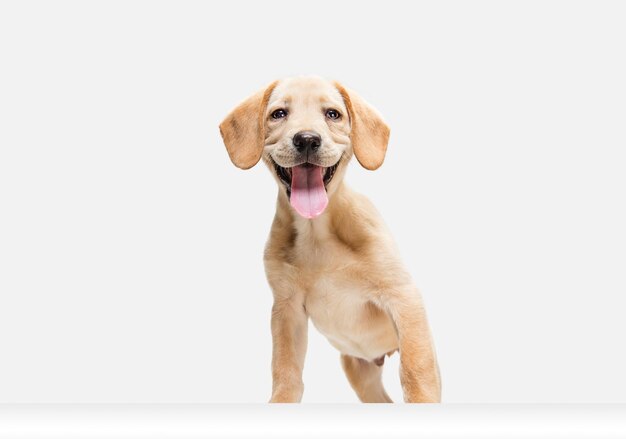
x=243 y=130
x=369 y=133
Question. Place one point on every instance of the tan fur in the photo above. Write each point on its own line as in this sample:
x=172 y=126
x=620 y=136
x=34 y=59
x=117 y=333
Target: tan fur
x=365 y=377
x=341 y=269
x=369 y=135
x=243 y=130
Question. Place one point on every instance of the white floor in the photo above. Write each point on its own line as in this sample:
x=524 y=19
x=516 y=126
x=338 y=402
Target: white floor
x=312 y=421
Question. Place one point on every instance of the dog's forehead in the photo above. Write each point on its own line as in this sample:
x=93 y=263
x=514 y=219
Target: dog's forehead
x=306 y=90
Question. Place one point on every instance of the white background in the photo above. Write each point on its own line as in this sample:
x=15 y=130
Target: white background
x=131 y=248
x=286 y=421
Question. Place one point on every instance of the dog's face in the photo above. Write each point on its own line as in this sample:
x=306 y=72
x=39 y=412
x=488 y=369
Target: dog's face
x=307 y=135
x=306 y=130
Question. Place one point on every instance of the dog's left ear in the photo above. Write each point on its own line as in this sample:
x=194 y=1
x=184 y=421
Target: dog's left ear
x=243 y=130
x=369 y=133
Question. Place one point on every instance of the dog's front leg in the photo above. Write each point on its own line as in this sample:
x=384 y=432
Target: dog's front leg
x=419 y=372
x=289 y=339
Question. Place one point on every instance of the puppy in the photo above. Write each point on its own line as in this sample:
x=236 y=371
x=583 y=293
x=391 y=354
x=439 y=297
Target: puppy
x=329 y=256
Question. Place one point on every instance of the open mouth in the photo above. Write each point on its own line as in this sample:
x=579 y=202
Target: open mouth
x=285 y=174
x=306 y=187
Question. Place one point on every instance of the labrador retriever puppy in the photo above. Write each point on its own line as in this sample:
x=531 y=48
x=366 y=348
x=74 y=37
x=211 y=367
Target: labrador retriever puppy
x=329 y=256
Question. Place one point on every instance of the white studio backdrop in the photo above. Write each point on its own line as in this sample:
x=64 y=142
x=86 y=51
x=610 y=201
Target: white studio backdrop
x=131 y=248
x=286 y=421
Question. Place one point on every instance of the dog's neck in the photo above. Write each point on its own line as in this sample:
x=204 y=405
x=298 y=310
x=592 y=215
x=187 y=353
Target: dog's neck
x=341 y=220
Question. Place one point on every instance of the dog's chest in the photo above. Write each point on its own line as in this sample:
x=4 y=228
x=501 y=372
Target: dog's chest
x=337 y=301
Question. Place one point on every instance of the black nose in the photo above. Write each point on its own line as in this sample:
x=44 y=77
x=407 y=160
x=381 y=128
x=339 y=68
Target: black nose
x=307 y=140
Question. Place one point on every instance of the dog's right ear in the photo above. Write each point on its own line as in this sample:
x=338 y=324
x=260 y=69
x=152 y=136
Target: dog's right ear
x=243 y=130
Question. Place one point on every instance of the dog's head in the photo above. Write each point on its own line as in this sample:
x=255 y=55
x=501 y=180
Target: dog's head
x=306 y=130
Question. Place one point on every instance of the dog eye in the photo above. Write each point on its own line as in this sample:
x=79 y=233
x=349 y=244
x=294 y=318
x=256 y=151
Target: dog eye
x=279 y=114
x=333 y=114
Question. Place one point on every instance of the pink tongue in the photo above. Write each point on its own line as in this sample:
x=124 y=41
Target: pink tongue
x=308 y=195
